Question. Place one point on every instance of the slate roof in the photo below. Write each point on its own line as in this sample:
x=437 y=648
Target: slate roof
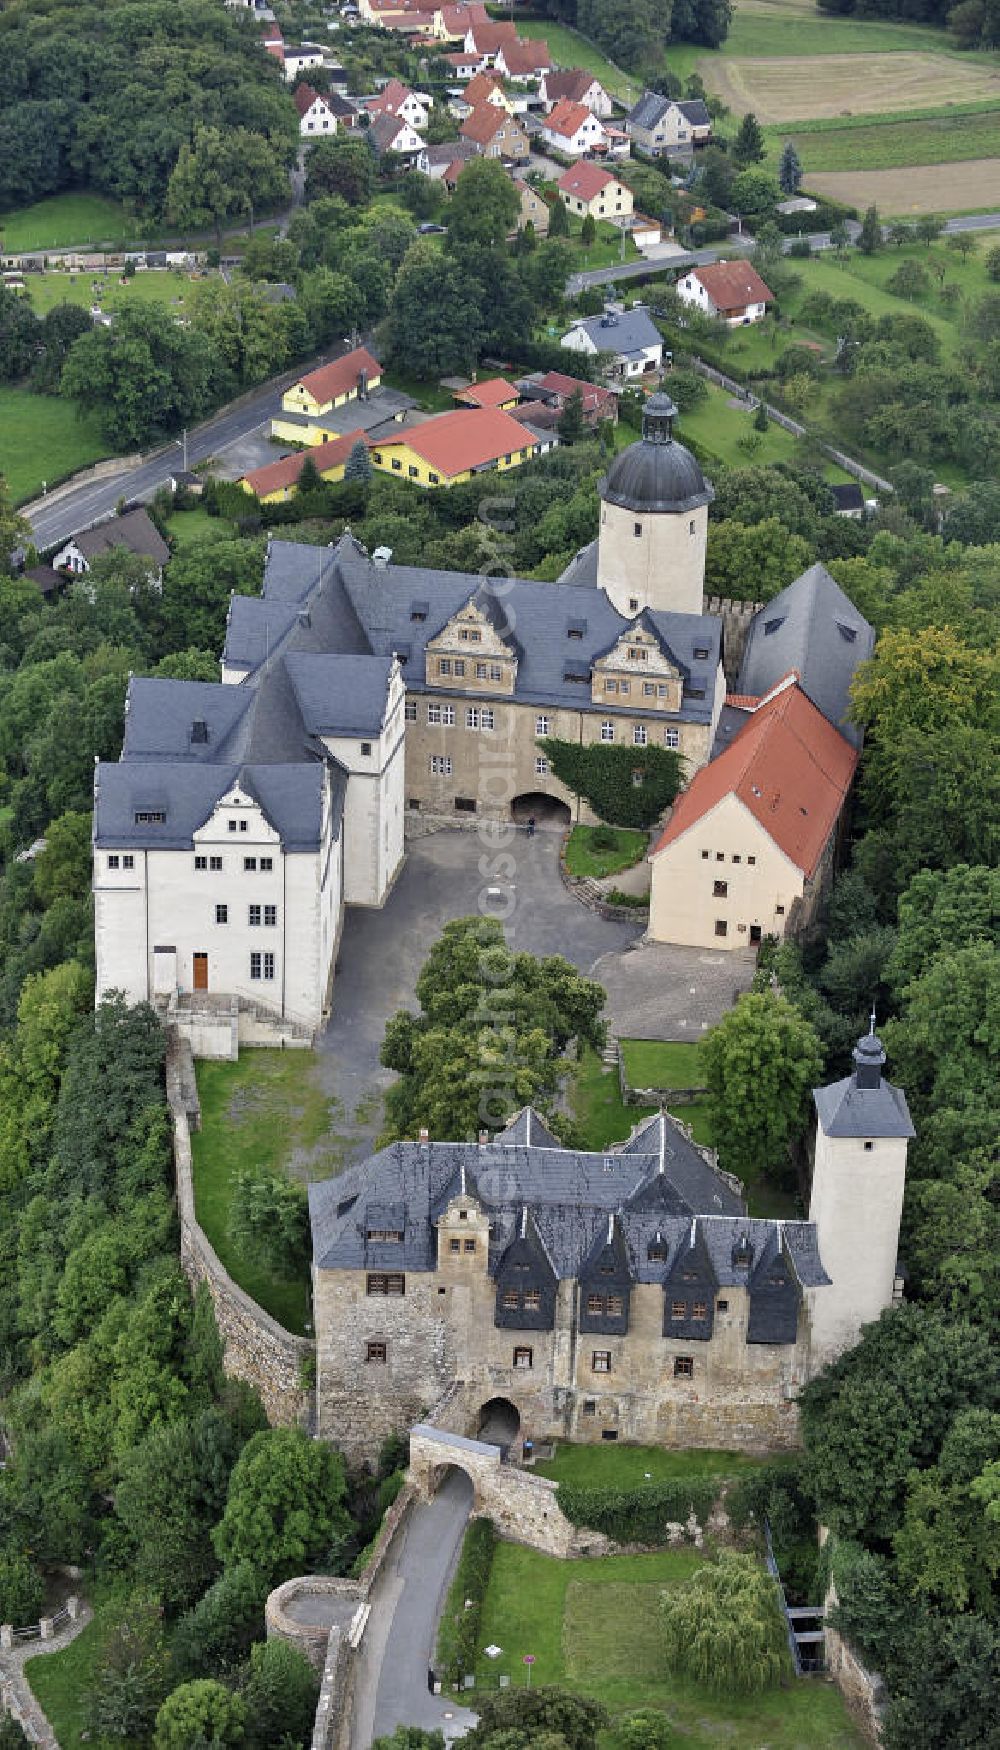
x=630 y=332
x=340 y=695
x=527 y=1130
x=649 y=110
x=186 y=792
x=135 y=530
x=848 y=1108
x=813 y=628
x=385 y=131
x=696 y=112
x=848 y=496
x=788 y=767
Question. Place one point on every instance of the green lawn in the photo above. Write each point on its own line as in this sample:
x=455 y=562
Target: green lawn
x=596 y=1104
x=195 y=528
x=62 y=1681
x=867 y=144
x=43 y=438
x=569 y=49
x=152 y=286
x=583 y=857
x=62 y=220
x=428 y=395
x=616 y=1466
x=268 y=1110
x=660 y=1063
x=717 y=428
x=593 y=1626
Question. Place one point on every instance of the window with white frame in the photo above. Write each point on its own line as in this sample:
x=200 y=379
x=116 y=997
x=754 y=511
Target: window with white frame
x=639 y=734
x=128 y=861
x=481 y=671
x=607 y=731
x=267 y=863
x=487 y=720
x=441 y=714
x=440 y=765
x=222 y=914
x=270 y=915
x=410 y=711
x=113 y=861
x=671 y=738
x=541 y=766
x=496 y=672
x=472 y=717
x=199 y=862
x=253 y=916
x=215 y=863
x=541 y=725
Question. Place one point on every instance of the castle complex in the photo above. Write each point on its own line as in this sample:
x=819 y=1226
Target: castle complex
x=624 y=1295
x=355 y=692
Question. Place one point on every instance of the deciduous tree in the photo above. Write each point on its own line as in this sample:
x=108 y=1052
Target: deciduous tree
x=761 y=1062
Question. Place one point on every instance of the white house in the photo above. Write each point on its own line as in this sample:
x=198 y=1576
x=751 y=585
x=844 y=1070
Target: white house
x=630 y=338
x=575 y=86
x=397 y=99
x=659 y=125
x=316 y=118
x=571 y=129
x=300 y=58
x=731 y=290
x=390 y=133
x=135 y=531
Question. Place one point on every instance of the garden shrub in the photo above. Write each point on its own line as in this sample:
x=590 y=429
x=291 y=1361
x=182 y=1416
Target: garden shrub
x=725 y=1627
x=458 y=1632
x=603 y=838
x=639 y=1515
x=646 y=1729
x=21 y=1591
x=606 y=777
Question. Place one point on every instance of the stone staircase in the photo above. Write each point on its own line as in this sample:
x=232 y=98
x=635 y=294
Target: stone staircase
x=609 y=1055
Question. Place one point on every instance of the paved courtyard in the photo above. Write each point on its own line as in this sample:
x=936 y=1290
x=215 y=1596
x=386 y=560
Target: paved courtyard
x=657 y=991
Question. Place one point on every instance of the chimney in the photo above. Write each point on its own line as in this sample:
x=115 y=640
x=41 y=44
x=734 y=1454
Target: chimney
x=425 y=1135
x=484 y=1137
x=381 y=558
x=362 y=385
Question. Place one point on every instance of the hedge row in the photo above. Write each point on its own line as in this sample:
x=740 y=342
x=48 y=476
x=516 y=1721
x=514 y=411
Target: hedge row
x=640 y=1515
x=458 y=1630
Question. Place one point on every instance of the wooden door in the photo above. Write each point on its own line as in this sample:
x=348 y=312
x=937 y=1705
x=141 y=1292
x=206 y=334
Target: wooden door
x=201 y=972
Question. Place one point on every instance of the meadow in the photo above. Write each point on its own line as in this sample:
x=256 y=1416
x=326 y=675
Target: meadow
x=889 y=141
x=972 y=186
x=151 y=286
x=44 y=439
x=63 y=221
x=786 y=88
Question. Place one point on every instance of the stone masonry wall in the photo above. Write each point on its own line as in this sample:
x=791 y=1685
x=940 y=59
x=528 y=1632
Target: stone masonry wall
x=864 y=1691
x=257 y=1348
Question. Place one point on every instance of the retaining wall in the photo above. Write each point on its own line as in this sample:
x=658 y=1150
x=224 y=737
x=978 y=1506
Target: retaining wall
x=257 y=1348
x=864 y=1691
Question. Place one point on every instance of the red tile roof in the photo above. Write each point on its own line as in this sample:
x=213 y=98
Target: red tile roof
x=526 y=57
x=595 y=399
x=275 y=475
x=732 y=285
x=484 y=122
x=390 y=99
x=487 y=38
x=461 y=18
x=304 y=99
x=337 y=378
x=790 y=769
x=569 y=82
x=468 y=438
x=480 y=87
x=566 y=118
x=492 y=393
x=585 y=180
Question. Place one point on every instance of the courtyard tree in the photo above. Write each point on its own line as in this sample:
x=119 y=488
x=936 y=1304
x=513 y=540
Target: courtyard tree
x=285 y=1504
x=724 y=1627
x=761 y=1062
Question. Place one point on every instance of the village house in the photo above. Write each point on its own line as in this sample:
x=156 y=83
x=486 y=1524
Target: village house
x=453 y=23
x=630 y=340
x=315 y=115
x=397 y=99
x=589 y=190
x=731 y=290
x=493 y=392
x=276 y=482
x=301 y=58
x=135 y=531
x=553 y=389
x=484 y=41
x=452 y=447
x=464 y=65
x=534 y=210
x=625 y=1295
x=497 y=134
x=572 y=129
x=482 y=88
x=390 y=133
x=445 y=163
x=523 y=61
x=659 y=125
x=356 y=374
x=573 y=85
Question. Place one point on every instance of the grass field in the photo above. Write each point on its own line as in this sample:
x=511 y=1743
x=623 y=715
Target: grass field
x=594 y=1626
x=44 y=439
x=113 y=290
x=584 y=858
x=268 y=1110
x=787 y=88
x=661 y=1063
x=62 y=1681
x=63 y=220
x=195 y=528
x=972 y=186
x=617 y=1466
x=885 y=145
x=717 y=428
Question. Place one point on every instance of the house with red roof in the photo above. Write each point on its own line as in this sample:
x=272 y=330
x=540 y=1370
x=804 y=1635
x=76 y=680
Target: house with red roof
x=316 y=118
x=452 y=447
x=731 y=290
x=397 y=99
x=278 y=481
x=453 y=23
x=333 y=385
x=572 y=129
x=483 y=88
x=497 y=134
x=576 y=86
x=485 y=40
x=523 y=60
x=749 y=847
x=553 y=389
x=589 y=189
x=494 y=392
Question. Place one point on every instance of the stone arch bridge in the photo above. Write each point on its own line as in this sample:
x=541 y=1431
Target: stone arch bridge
x=523 y=1507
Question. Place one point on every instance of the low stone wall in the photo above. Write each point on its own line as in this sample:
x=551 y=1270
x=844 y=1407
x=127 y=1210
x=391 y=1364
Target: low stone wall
x=257 y=1348
x=334 y=1709
x=864 y=1691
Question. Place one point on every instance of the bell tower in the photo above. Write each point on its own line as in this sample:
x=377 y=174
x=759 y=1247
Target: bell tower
x=654 y=521
x=859 y=1171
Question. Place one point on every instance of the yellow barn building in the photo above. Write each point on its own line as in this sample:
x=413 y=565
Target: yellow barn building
x=452 y=447
x=332 y=386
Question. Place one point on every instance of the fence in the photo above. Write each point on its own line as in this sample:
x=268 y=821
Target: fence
x=40 y=1631
x=850 y=466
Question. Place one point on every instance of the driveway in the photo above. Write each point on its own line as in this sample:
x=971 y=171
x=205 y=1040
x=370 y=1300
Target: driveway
x=382 y=952
x=661 y=992
x=391 y=1684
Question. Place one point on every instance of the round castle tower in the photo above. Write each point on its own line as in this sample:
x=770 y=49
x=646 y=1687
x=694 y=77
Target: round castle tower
x=654 y=521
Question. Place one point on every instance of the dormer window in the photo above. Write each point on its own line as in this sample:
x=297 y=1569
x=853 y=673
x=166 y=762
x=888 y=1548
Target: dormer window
x=150 y=817
x=701 y=652
x=638 y=653
x=385 y=1236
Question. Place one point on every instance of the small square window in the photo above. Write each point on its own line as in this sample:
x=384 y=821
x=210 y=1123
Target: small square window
x=266 y=863
x=751 y=860
x=201 y=862
x=454 y=1245
x=533 y=1300
x=523 y=1358
x=250 y=863
x=721 y=927
x=222 y=914
x=112 y=862
x=231 y=825
x=590 y=1406
x=779 y=911
x=868 y=1147
x=243 y=826
x=720 y=889
x=720 y=856
x=470 y=1245
x=633 y=604
x=683 y=1367
x=705 y=856
x=678 y=1309
x=128 y=861
x=600 y=1361
x=737 y=858
x=366 y=748
x=722 y=1306
x=699 y=1309
x=377 y=1353
x=511 y=1300
x=215 y=863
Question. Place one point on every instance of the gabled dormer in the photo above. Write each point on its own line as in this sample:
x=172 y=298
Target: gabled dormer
x=689 y=1289
x=237 y=820
x=606 y=1282
x=475 y=651
x=775 y=1296
x=526 y=1280
x=463 y=1226
x=638 y=672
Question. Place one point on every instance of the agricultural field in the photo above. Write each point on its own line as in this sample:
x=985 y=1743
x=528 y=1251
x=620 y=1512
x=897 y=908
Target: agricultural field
x=44 y=439
x=969 y=187
x=66 y=221
x=927 y=139
x=788 y=88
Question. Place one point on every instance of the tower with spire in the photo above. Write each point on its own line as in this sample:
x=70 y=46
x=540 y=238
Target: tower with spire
x=654 y=521
x=859 y=1170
